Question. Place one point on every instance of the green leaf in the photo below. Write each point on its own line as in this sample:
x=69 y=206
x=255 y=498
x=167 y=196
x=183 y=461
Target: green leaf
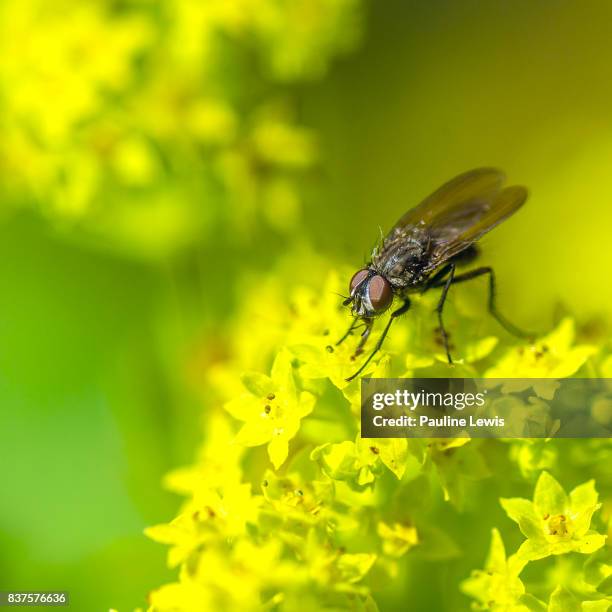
x=549 y=496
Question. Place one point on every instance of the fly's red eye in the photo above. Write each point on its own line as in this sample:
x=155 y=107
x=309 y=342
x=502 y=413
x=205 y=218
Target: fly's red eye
x=380 y=293
x=357 y=279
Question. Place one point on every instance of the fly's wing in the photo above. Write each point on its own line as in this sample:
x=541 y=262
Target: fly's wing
x=461 y=211
x=473 y=186
x=463 y=225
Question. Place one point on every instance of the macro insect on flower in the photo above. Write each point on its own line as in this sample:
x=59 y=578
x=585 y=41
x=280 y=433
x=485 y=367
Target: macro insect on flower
x=423 y=248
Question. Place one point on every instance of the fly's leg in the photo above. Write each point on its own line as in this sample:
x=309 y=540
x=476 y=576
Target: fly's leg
x=396 y=313
x=439 y=308
x=492 y=306
x=364 y=337
x=349 y=331
x=438 y=279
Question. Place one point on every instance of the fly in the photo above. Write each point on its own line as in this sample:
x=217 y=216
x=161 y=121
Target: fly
x=423 y=248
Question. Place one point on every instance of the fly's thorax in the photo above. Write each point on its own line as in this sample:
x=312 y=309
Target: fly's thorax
x=401 y=257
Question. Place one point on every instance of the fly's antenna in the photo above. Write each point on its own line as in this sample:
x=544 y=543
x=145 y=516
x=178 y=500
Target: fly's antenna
x=346 y=299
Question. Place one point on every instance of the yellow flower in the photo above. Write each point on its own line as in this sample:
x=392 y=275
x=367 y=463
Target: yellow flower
x=211 y=515
x=218 y=461
x=498 y=586
x=397 y=539
x=271 y=409
x=109 y=113
x=555 y=523
x=359 y=462
x=554 y=356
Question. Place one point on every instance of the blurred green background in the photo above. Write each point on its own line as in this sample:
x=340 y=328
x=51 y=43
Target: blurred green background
x=153 y=153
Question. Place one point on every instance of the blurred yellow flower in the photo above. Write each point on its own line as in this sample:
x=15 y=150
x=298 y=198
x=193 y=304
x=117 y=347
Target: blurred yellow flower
x=105 y=110
x=397 y=539
x=554 y=356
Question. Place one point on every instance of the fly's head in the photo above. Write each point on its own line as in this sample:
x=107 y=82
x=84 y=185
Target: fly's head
x=371 y=294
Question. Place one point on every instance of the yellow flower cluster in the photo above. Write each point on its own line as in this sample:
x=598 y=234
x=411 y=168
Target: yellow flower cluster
x=554 y=524
x=149 y=123
x=288 y=508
